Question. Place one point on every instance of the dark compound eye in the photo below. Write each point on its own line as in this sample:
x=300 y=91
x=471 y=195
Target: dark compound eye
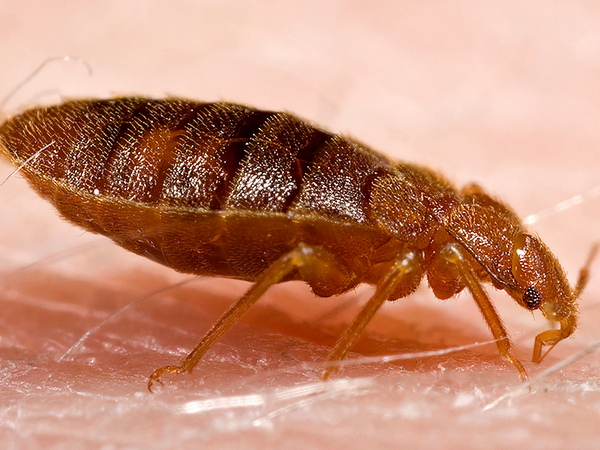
x=532 y=298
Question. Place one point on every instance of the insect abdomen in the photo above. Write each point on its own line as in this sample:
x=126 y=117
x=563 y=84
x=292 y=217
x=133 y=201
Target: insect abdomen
x=210 y=188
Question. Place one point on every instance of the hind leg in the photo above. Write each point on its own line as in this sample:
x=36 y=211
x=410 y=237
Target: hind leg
x=322 y=270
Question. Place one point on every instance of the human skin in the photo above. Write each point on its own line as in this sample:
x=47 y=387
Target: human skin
x=503 y=96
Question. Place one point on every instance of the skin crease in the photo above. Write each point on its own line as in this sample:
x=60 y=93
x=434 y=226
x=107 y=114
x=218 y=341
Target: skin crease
x=505 y=97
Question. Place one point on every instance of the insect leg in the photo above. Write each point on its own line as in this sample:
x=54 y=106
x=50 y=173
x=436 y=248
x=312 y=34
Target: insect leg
x=453 y=254
x=403 y=265
x=307 y=259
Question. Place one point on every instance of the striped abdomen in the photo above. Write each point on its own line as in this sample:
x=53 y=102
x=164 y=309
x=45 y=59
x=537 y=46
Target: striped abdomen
x=212 y=188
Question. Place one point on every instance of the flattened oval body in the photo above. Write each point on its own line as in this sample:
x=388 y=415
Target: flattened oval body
x=227 y=190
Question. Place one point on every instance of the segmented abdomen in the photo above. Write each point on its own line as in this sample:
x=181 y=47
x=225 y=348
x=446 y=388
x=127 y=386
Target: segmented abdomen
x=209 y=156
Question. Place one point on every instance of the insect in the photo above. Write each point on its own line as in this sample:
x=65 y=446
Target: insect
x=225 y=190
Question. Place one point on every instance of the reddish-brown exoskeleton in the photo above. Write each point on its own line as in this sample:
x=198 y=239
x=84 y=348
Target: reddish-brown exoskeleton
x=226 y=190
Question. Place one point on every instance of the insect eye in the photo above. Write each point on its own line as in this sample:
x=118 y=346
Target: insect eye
x=532 y=298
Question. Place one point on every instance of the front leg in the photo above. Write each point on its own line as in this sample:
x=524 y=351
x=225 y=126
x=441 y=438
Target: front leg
x=452 y=255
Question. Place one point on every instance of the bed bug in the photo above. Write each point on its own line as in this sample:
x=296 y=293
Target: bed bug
x=222 y=189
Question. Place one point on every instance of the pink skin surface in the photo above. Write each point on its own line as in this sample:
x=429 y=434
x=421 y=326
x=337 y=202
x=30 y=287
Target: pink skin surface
x=506 y=96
